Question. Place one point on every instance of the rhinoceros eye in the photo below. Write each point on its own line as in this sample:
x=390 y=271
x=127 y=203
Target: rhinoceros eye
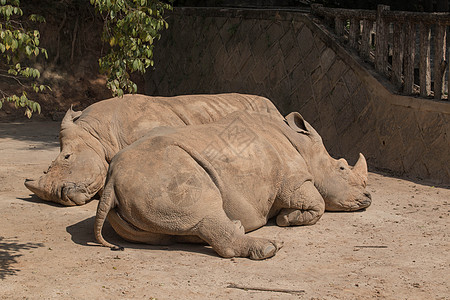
x=67 y=156
x=342 y=168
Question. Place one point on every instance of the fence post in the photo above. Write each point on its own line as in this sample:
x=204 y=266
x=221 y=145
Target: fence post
x=439 y=60
x=424 y=68
x=381 y=41
x=354 y=32
x=365 y=39
x=339 y=26
x=409 y=53
x=397 y=55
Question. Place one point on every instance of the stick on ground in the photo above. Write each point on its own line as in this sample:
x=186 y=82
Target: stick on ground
x=373 y=246
x=247 y=288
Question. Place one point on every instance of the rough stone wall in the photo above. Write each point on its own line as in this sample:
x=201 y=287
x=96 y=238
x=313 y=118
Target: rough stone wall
x=288 y=58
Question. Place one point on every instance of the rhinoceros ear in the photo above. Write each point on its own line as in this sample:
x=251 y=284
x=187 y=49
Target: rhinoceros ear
x=296 y=122
x=68 y=119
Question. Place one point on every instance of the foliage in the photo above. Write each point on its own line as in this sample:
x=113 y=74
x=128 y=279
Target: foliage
x=131 y=27
x=18 y=44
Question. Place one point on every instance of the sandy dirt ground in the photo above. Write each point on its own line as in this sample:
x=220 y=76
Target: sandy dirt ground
x=397 y=249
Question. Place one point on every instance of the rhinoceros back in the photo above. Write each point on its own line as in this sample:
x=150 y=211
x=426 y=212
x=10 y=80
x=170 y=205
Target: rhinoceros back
x=118 y=122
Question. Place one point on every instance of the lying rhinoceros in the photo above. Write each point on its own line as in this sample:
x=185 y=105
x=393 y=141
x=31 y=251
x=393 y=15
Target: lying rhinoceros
x=215 y=182
x=91 y=138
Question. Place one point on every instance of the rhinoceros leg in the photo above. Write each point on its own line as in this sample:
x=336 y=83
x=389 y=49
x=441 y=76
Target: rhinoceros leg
x=197 y=240
x=228 y=240
x=304 y=206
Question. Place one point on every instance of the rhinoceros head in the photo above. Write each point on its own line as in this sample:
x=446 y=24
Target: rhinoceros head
x=78 y=172
x=342 y=187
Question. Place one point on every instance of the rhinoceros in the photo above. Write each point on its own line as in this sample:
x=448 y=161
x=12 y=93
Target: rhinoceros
x=89 y=139
x=215 y=182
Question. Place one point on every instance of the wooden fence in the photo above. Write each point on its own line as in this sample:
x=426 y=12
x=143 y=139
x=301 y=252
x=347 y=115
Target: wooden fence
x=390 y=40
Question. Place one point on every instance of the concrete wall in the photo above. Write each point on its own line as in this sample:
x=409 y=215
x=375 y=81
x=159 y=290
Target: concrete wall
x=288 y=58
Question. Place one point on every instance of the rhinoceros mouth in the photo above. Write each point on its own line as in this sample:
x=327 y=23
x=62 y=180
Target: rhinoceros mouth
x=360 y=203
x=72 y=193
x=75 y=194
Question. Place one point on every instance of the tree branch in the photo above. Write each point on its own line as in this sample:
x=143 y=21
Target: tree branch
x=13 y=77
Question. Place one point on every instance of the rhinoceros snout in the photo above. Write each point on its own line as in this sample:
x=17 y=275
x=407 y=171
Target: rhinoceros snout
x=366 y=201
x=74 y=195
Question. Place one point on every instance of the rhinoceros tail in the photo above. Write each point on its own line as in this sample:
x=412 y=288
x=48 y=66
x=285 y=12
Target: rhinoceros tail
x=104 y=206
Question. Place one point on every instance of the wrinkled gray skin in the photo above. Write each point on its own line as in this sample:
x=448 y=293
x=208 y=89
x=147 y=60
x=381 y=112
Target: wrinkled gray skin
x=215 y=182
x=91 y=138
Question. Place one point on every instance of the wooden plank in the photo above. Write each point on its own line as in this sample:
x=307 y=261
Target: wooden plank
x=343 y=13
x=354 y=33
x=381 y=41
x=397 y=55
x=365 y=39
x=439 y=60
x=424 y=63
x=409 y=52
x=418 y=17
x=339 y=26
x=390 y=16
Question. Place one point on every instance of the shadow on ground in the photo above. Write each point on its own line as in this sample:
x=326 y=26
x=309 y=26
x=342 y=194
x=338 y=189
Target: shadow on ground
x=82 y=233
x=416 y=180
x=35 y=199
x=9 y=252
x=44 y=134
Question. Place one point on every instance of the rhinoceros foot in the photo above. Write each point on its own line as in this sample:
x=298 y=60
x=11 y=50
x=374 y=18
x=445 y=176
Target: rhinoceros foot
x=263 y=249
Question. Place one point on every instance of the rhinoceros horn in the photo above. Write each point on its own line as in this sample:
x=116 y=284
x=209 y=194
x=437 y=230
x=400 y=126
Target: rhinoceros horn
x=68 y=119
x=361 y=167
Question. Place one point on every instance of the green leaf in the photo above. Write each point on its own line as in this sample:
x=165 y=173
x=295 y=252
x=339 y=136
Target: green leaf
x=135 y=64
x=14 y=45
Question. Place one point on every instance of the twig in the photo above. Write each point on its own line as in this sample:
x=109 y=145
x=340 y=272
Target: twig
x=246 y=288
x=74 y=40
x=375 y=246
x=4 y=95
